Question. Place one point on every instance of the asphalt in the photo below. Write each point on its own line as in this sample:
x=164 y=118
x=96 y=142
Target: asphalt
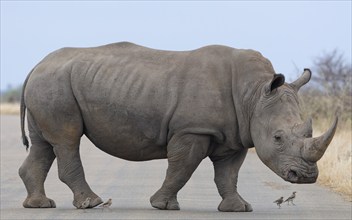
x=130 y=184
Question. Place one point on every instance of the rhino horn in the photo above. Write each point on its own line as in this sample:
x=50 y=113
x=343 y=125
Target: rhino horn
x=314 y=148
x=303 y=79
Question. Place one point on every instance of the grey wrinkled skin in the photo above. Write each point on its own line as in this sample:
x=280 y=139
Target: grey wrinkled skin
x=142 y=104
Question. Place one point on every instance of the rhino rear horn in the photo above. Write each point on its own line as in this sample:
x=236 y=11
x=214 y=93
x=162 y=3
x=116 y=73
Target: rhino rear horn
x=302 y=80
x=314 y=148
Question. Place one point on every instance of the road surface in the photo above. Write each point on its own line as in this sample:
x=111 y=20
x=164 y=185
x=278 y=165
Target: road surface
x=130 y=184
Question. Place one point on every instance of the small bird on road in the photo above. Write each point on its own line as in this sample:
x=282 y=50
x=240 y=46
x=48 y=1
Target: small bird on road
x=85 y=204
x=279 y=201
x=291 y=198
x=106 y=204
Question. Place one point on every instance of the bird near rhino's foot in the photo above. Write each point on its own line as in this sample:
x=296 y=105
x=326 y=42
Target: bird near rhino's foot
x=140 y=104
x=291 y=198
x=106 y=204
x=279 y=202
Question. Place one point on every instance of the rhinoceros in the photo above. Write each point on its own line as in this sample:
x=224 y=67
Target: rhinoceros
x=141 y=104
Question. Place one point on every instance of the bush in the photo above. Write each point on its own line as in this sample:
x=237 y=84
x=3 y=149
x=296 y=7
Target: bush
x=12 y=95
x=331 y=89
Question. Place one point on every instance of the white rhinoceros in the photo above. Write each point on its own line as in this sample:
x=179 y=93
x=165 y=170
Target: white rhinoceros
x=142 y=104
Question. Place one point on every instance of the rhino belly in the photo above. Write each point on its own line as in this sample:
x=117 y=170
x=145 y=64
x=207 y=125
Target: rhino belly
x=128 y=137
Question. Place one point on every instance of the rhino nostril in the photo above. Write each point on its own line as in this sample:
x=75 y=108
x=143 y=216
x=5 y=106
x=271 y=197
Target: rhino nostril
x=293 y=172
x=292 y=175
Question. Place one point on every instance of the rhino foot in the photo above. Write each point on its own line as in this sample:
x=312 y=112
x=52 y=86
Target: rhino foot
x=234 y=204
x=95 y=200
x=39 y=202
x=164 y=203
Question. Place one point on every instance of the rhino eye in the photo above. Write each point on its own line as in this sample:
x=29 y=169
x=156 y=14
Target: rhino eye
x=278 y=136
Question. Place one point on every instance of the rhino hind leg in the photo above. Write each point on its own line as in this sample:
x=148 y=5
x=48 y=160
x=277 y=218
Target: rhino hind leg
x=226 y=175
x=70 y=169
x=184 y=155
x=63 y=130
x=33 y=173
x=71 y=173
x=34 y=170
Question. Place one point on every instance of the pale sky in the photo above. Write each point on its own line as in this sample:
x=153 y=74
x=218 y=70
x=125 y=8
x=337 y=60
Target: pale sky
x=289 y=33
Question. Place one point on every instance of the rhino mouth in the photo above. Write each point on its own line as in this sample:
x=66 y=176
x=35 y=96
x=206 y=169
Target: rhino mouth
x=295 y=175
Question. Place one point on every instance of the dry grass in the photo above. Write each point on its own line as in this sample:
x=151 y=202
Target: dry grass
x=335 y=166
x=10 y=108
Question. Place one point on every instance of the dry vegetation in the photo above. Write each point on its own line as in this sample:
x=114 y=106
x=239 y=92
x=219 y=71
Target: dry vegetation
x=335 y=167
x=332 y=94
x=10 y=108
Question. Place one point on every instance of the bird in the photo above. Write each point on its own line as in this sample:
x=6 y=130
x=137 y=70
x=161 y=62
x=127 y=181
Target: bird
x=279 y=201
x=106 y=204
x=291 y=198
x=85 y=204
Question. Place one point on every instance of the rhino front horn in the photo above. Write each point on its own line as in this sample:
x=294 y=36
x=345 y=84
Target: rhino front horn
x=314 y=148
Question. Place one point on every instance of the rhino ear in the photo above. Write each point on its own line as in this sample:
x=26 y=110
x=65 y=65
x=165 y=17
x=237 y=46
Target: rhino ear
x=276 y=82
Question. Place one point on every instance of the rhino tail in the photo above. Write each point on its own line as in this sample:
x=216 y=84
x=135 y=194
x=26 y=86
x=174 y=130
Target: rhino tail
x=23 y=114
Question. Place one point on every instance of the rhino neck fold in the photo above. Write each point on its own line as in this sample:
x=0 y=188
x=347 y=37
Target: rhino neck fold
x=250 y=71
x=245 y=97
x=250 y=96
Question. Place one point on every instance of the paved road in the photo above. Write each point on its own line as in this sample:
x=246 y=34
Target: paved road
x=130 y=184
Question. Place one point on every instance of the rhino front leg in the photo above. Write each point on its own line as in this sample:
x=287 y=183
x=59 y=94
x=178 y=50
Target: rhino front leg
x=184 y=155
x=226 y=175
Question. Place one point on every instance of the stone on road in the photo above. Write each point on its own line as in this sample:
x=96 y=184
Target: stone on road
x=130 y=185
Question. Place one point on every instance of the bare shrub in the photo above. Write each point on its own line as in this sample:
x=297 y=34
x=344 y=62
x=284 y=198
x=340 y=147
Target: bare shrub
x=11 y=95
x=331 y=90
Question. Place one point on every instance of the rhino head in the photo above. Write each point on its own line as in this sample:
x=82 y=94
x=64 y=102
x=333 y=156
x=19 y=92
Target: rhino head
x=283 y=141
